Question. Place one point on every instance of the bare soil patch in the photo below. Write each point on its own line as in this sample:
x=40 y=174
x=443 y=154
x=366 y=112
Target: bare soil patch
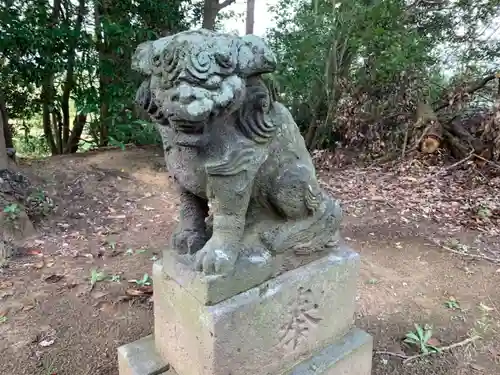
x=116 y=210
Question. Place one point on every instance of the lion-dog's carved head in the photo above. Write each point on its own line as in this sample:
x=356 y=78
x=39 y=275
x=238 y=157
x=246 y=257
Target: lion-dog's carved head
x=195 y=76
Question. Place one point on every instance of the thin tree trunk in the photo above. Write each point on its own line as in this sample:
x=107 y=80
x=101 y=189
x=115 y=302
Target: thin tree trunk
x=4 y=159
x=250 y=21
x=210 y=14
x=47 y=130
x=211 y=9
x=70 y=82
x=103 y=111
x=47 y=95
x=313 y=125
x=53 y=130
x=76 y=133
x=9 y=142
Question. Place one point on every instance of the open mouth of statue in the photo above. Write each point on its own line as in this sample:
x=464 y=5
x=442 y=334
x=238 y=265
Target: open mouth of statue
x=188 y=127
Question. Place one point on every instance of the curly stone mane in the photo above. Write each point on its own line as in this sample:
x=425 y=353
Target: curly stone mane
x=252 y=120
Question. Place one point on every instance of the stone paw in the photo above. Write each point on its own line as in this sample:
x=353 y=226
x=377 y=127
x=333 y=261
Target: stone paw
x=216 y=258
x=188 y=241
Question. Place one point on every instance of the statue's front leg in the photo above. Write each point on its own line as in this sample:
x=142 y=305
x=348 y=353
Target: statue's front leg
x=230 y=184
x=191 y=234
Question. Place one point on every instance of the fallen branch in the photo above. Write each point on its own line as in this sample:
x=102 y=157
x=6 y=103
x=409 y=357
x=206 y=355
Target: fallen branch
x=460 y=161
x=392 y=354
x=469 y=90
x=473 y=256
x=448 y=168
x=487 y=161
x=407 y=358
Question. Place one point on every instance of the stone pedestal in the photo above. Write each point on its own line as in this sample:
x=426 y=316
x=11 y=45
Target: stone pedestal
x=298 y=322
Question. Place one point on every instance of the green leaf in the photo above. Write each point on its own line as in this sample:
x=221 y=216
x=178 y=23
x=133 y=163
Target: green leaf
x=427 y=335
x=96 y=276
x=114 y=142
x=412 y=336
x=412 y=341
x=435 y=349
x=420 y=332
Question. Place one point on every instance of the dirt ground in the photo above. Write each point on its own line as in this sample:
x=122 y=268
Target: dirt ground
x=116 y=209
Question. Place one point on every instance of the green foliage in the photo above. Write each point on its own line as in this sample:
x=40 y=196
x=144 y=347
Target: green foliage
x=348 y=66
x=96 y=276
x=31 y=146
x=137 y=131
x=38 y=204
x=330 y=49
x=145 y=281
x=54 y=57
x=12 y=210
x=452 y=304
x=345 y=66
x=420 y=338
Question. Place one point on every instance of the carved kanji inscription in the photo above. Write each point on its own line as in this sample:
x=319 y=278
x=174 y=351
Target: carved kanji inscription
x=302 y=317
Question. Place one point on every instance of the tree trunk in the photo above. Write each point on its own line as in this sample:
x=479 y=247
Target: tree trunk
x=7 y=132
x=47 y=95
x=70 y=82
x=250 y=21
x=4 y=159
x=312 y=130
x=76 y=133
x=47 y=129
x=211 y=9
x=210 y=14
x=337 y=67
x=100 y=45
x=432 y=134
x=57 y=130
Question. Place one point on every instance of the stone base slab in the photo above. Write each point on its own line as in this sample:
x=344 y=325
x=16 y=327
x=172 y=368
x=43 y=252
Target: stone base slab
x=350 y=355
x=263 y=331
x=140 y=358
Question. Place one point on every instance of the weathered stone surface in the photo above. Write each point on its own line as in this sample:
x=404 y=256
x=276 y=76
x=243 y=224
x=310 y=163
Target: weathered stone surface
x=141 y=358
x=263 y=331
x=252 y=269
x=350 y=355
x=228 y=141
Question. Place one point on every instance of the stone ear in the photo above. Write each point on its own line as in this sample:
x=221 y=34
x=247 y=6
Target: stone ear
x=147 y=55
x=142 y=58
x=255 y=56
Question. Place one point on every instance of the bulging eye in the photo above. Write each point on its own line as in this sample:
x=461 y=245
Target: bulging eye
x=223 y=60
x=213 y=82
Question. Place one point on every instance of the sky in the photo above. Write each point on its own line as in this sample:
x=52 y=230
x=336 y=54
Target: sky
x=263 y=17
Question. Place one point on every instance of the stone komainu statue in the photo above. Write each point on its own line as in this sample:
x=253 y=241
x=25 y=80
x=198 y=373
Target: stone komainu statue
x=228 y=141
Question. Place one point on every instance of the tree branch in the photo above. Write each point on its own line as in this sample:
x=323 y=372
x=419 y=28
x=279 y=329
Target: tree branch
x=407 y=359
x=225 y=4
x=470 y=89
